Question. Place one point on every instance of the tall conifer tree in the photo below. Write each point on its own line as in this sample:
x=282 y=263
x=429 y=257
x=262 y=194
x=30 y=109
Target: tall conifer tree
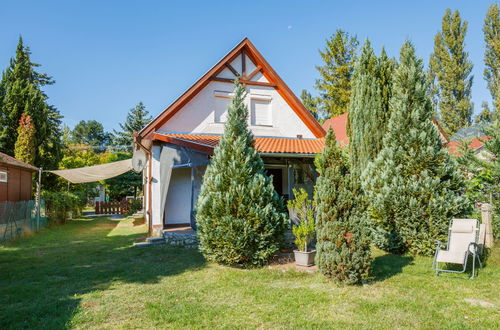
x=240 y=216
x=334 y=85
x=450 y=72
x=311 y=103
x=343 y=246
x=20 y=92
x=491 y=32
x=413 y=185
x=137 y=118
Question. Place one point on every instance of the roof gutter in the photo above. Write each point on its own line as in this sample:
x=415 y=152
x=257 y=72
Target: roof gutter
x=289 y=155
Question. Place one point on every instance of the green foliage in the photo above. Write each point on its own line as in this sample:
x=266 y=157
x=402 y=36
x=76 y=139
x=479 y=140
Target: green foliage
x=91 y=133
x=20 y=92
x=240 y=217
x=134 y=206
x=334 y=85
x=137 y=119
x=302 y=210
x=491 y=30
x=60 y=204
x=311 y=103
x=413 y=186
x=450 y=73
x=126 y=184
x=25 y=144
x=369 y=109
x=343 y=246
x=485 y=116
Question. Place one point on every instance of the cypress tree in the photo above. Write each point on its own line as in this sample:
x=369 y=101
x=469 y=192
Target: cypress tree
x=25 y=143
x=451 y=69
x=20 y=92
x=491 y=32
x=413 y=185
x=335 y=83
x=343 y=246
x=240 y=218
x=137 y=118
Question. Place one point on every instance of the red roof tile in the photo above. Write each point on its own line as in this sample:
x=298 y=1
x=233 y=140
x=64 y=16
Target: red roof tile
x=262 y=144
x=339 y=127
x=11 y=161
x=454 y=146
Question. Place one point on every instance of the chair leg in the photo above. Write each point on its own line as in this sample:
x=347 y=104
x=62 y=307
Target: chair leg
x=473 y=267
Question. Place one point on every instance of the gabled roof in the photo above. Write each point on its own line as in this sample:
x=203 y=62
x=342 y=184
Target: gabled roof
x=474 y=144
x=246 y=47
x=11 y=161
x=207 y=143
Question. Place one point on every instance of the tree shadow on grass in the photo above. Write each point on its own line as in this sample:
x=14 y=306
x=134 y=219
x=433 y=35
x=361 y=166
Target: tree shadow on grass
x=42 y=277
x=389 y=265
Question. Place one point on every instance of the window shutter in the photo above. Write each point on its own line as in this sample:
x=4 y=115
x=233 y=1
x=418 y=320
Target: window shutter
x=261 y=112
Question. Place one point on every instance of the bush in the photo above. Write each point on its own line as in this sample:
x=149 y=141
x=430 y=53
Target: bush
x=302 y=211
x=60 y=204
x=241 y=219
x=134 y=205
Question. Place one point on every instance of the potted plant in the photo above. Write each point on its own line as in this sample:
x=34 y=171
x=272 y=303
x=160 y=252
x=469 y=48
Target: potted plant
x=302 y=215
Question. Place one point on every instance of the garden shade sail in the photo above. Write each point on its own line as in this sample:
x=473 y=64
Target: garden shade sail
x=95 y=173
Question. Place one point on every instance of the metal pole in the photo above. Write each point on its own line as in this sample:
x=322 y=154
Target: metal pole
x=38 y=198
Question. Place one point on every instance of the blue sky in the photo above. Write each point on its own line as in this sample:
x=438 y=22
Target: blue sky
x=106 y=56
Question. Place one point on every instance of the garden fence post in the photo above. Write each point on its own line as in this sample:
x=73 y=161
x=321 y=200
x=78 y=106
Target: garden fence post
x=486 y=215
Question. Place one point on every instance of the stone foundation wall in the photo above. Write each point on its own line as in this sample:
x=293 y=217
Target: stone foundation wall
x=179 y=239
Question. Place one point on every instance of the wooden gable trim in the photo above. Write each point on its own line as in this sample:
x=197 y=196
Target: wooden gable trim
x=184 y=143
x=244 y=82
x=232 y=69
x=254 y=72
x=245 y=47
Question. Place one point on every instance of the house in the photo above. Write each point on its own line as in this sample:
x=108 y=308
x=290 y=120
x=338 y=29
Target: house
x=15 y=179
x=180 y=141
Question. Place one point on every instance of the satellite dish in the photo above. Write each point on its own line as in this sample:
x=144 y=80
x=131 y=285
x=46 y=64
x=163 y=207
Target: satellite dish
x=138 y=160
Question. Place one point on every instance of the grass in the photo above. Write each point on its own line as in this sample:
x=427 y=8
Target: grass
x=86 y=274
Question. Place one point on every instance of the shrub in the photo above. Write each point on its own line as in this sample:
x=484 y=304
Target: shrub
x=241 y=219
x=343 y=246
x=60 y=204
x=302 y=211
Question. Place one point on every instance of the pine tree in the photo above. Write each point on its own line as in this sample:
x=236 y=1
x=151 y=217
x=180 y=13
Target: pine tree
x=413 y=186
x=450 y=71
x=491 y=32
x=486 y=115
x=239 y=215
x=20 y=92
x=92 y=133
x=137 y=119
x=335 y=83
x=343 y=246
x=25 y=143
x=311 y=103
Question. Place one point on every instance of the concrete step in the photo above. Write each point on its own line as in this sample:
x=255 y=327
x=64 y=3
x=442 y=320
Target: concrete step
x=155 y=240
x=143 y=244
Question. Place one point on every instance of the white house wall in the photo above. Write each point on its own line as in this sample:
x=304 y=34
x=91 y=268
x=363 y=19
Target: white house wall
x=197 y=116
x=155 y=188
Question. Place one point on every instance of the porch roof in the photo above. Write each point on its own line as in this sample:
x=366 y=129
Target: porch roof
x=278 y=145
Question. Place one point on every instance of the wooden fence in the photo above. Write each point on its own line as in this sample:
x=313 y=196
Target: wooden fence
x=112 y=207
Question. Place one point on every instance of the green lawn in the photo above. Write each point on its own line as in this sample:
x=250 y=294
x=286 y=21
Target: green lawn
x=86 y=274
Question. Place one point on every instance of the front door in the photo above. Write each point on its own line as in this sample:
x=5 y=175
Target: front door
x=277 y=174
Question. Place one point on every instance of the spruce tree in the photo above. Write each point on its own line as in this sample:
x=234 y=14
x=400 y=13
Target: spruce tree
x=491 y=32
x=20 y=92
x=137 y=118
x=240 y=217
x=413 y=186
x=335 y=83
x=343 y=246
x=450 y=71
x=25 y=143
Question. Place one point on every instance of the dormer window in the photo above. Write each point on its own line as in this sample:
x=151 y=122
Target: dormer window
x=221 y=104
x=260 y=110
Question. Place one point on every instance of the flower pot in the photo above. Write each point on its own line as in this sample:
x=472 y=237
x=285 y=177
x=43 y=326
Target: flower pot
x=304 y=258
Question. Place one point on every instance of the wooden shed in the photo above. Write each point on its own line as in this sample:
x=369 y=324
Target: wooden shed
x=15 y=179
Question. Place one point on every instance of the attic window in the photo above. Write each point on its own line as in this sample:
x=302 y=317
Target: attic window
x=3 y=176
x=260 y=107
x=221 y=103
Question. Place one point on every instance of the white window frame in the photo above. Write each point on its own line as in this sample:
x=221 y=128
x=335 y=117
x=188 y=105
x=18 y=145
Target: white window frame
x=220 y=94
x=265 y=98
x=4 y=176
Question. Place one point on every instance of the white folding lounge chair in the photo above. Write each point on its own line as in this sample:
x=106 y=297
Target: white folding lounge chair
x=463 y=238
